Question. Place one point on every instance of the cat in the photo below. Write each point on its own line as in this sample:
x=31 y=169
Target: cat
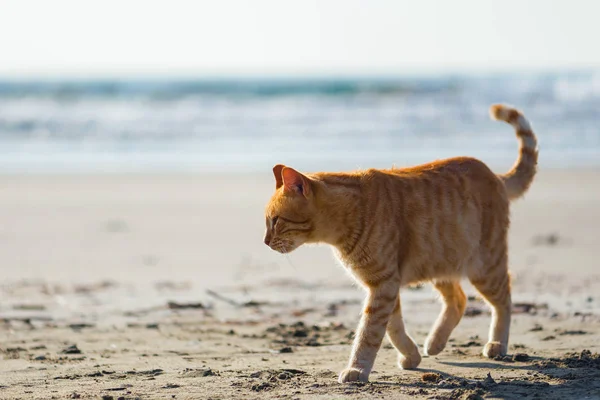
x=435 y=222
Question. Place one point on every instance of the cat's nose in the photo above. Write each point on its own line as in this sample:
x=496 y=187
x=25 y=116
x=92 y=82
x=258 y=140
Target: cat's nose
x=267 y=239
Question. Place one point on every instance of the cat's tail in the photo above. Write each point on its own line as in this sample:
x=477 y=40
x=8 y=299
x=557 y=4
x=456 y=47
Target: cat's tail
x=519 y=178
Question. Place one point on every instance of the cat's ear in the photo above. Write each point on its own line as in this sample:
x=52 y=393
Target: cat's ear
x=296 y=182
x=278 y=177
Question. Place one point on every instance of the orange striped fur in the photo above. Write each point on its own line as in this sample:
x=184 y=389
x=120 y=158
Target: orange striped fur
x=435 y=222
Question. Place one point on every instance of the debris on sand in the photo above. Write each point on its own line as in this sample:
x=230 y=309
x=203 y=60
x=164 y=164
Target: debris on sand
x=536 y=328
x=262 y=387
x=470 y=343
x=572 y=332
x=521 y=357
x=489 y=380
x=148 y=372
x=251 y=303
x=300 y=334
x=466 y=394
x=73 y=349
x=585 y=359
x=550 y=239
x=29 y=307
x=431 y=377
x=473 y=311
x=288 y=373
x=507 y=359
x=80 y=326
x=286 y=350
x=172 y=305
x=94 y=287
x=528 y=308
x=170 y=386
x=270 y=378
x=197 y=373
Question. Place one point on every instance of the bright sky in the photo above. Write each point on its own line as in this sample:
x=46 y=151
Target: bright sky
x=223 y=37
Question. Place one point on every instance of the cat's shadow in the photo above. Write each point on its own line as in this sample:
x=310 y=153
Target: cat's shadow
x=556 y=382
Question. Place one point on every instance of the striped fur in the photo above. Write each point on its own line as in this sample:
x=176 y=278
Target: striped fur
x=518 y=179
x=435 y=222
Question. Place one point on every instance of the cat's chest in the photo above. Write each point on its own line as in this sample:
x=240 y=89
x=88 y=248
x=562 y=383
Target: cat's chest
x=361 y=267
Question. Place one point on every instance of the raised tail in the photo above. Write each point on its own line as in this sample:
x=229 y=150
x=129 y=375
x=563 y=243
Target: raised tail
x=519 y=178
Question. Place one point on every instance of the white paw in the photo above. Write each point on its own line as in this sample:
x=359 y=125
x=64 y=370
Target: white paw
x=353 y=375
x=433 y=347
x=410 y=362
x=493 y=349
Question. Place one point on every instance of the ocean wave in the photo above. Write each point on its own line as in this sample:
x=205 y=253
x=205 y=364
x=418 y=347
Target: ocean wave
x=255 y=122
x=176 y=89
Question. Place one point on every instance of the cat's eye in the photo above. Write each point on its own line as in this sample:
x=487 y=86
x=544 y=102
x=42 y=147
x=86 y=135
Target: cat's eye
x=274 y=221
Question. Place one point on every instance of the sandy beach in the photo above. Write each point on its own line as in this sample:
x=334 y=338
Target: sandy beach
x=159 y=286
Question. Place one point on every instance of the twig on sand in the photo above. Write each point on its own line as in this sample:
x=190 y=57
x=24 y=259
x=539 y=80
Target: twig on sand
x=223 y=298
x=234 y=303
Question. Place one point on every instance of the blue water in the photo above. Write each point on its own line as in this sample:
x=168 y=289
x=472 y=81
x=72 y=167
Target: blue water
x=247 y=125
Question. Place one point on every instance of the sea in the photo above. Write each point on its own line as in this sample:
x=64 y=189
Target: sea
x=246 y=125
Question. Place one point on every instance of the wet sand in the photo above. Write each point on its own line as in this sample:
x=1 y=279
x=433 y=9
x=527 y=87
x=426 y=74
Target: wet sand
x=165 y=289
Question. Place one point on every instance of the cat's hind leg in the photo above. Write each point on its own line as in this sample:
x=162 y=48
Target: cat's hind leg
x=454 y=304
x=494 y=286
x=409 y=356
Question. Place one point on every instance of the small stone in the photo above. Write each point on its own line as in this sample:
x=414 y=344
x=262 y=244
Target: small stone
x=283 y=376
x=300 y=333
x=73 y=349
x=536 y=328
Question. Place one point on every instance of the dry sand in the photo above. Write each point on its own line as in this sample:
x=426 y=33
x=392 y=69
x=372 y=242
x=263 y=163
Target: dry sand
x=165 y=290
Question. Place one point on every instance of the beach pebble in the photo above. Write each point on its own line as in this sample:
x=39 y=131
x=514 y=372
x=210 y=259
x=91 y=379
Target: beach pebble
x=73 y=349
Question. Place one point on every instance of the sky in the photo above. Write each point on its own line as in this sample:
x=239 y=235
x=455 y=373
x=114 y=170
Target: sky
x=64 y=38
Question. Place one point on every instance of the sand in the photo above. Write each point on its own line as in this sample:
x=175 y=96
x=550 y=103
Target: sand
x=159 y=286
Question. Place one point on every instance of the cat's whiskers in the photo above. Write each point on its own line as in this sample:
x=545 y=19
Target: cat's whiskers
x=288 y=258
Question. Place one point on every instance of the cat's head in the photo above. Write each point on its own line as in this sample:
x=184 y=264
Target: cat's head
x=291 y=211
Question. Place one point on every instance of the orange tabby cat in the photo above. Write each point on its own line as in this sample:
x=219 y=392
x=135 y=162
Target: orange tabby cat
x=434 y=222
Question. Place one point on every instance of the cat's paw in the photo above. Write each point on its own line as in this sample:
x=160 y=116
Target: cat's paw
x=409 y=362
x=353 y=375
x=433 y=347
x=494 y=349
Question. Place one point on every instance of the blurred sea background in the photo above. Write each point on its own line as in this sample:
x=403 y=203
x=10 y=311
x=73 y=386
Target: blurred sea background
x=249 y=124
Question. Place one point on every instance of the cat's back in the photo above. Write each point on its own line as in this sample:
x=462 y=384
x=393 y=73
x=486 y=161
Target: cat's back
x=466 y=175
x=466 y=166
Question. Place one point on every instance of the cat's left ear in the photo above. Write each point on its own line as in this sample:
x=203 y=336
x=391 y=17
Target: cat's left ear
x=295 y=181
x=278 y=177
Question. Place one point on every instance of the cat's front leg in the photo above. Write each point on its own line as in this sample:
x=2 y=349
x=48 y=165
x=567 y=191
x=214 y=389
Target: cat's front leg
x=378 y=308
